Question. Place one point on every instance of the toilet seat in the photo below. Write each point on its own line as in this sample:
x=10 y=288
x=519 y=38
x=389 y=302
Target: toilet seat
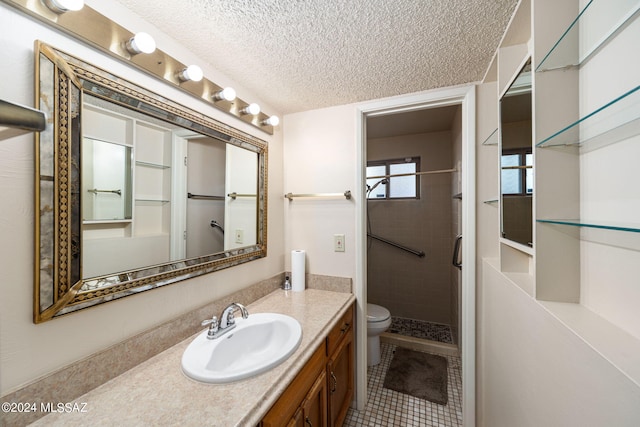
x=376 y=313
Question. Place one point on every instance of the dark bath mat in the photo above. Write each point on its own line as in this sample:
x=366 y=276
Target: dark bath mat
x=422 y=375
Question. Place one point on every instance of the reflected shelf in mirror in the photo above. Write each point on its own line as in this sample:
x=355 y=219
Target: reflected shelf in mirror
x=152 y=165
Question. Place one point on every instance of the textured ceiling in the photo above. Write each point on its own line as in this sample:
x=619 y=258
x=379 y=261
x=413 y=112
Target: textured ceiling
x=300 y=55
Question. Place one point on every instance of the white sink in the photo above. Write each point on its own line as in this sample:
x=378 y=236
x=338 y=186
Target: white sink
x=255 y=345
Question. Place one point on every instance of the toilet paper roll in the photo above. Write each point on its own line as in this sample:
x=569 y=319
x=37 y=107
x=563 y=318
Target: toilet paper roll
x=298 y=258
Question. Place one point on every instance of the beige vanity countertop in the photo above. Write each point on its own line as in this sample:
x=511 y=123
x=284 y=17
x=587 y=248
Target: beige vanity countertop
x=157 y=392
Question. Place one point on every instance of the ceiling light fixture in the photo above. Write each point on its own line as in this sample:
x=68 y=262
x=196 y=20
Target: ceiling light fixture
x=226 y=94
x=252 y=109
x=192 y=72
x=141 y=43
x=62 y=6
x=271 y=121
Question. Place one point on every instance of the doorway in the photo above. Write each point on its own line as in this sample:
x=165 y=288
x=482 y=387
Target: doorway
x=440 y=101
x=413 y=218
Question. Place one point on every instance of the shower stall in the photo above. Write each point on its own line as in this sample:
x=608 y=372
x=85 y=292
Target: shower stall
x=414 y=206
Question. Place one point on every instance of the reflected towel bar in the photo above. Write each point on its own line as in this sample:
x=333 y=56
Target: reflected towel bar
x=346 y=194
x=234 y=195
x=203 y=197
x=96 y=191
x=397 y=245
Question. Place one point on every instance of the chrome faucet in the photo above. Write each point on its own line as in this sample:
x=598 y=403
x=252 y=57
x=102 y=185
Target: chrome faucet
x=226 y=323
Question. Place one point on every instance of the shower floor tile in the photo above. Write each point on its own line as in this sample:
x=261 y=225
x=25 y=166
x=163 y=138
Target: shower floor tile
x=421 y=329
x=386 y=407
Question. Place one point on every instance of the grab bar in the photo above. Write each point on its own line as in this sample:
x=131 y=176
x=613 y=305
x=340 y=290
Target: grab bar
x=216 y=224
x=456 y=252
x=397 y=245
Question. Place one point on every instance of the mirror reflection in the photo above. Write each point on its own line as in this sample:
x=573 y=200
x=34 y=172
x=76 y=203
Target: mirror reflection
x=106 y=181
x=516 y=160
x=180 y=202
x=134 y=190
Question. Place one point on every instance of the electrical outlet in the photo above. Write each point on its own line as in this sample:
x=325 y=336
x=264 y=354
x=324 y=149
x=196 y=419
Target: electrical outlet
x=239 y=236
x=338 y=242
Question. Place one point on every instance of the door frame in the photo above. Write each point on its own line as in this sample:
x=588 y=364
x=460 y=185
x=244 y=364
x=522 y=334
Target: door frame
x=464 y=96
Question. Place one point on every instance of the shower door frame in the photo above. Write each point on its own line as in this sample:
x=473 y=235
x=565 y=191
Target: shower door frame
x=464 y=96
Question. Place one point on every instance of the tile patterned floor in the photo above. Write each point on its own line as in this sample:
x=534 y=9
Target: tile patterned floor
x=386 y=408
x=421 y=329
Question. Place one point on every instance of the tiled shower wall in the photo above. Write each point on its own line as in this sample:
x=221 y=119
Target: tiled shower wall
x=412 y=287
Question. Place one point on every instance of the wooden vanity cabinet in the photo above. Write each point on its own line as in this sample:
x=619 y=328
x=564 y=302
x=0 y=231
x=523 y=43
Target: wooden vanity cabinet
x=340 y=352
x=305 y=397
x=321 y=393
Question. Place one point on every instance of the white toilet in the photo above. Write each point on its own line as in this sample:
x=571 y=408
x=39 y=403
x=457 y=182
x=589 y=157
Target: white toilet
x=378 y=321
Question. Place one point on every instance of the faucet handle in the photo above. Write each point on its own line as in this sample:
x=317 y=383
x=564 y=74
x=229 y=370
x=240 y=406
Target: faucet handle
x=206 y=322
x=213 y=326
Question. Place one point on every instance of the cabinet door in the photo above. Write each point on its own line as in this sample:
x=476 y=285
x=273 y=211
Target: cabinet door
x=340 y=381
x=297 y=420
x=314 y=406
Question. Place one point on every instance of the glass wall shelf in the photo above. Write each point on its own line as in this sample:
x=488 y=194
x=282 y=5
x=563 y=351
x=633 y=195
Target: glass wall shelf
x=603 y=18
x=492 y=139
x=613 y=122
x=629 y=227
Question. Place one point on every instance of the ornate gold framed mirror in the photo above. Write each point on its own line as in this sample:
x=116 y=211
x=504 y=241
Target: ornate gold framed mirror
x=133 y=190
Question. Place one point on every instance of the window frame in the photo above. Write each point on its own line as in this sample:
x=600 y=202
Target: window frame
x=387 y=163
x=522 y=161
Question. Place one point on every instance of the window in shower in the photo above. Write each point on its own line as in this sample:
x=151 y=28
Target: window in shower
x=393 y=179
x=517 y=172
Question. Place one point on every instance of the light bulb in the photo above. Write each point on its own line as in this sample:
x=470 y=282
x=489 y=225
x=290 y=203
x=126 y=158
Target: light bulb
x=141 y=43
x=62 y=6
x=271 y=121
x=226 y=94
x=253 y=109
x=192 y=72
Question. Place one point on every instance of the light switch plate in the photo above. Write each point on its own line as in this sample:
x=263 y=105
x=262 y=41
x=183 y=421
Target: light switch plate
x=239 y=236
x=338 y=242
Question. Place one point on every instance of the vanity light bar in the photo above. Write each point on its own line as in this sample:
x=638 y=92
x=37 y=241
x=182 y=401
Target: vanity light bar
x=62 y=6
x=141 y=43
x=99 y=31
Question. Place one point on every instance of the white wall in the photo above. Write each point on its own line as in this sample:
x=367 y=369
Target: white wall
x=538 y=373
x=29 y=351
x=320 y=157
x=610 y=271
